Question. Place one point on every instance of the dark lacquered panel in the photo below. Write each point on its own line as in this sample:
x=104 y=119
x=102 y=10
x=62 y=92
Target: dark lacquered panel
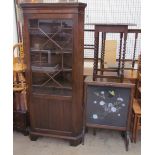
x=108 y=105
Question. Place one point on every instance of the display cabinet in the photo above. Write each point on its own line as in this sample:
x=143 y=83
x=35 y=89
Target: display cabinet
x=53 y=42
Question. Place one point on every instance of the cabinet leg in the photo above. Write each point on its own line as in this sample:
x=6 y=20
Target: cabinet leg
x=33 y=137
x=123 y=134
x=75 y=142
x=94 y=131
x=86 y=130
x=83 y=136
x=26 y=133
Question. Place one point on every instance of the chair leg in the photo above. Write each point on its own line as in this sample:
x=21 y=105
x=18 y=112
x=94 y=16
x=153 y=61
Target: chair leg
x=134 y=128
x=136 y=132
x=131 y=127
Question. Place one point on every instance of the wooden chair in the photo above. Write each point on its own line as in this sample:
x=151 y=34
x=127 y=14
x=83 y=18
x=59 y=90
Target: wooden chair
x=20 y=109
x=136 y=124
x=138 y=85
x=19 y=68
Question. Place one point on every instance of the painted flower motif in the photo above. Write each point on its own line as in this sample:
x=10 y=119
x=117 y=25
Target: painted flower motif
x=120 y=99
x=123 y=105
x=95 y=102
x=97 y=94
x=102 y=92
x=106 y=109
x=102 y=103
x=95 y=116
x=113 y=109
x=118 y=114
x=110 y=105
x=112 y=93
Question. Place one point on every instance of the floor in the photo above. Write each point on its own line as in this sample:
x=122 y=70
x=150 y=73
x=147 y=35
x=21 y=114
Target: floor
x=104 y=143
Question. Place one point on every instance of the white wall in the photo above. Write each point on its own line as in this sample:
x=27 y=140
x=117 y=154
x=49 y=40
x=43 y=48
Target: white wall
x=113 y=11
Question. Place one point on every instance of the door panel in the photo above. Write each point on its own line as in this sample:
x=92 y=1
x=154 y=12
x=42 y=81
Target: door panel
x=53 y=114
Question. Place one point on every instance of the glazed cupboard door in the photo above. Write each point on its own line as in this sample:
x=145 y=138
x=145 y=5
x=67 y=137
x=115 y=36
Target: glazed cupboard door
x=51 y=48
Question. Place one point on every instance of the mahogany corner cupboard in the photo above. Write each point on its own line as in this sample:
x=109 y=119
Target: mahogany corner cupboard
x=54 y=45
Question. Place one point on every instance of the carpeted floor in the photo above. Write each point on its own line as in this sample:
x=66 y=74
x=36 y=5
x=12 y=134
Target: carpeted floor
x=104 y=143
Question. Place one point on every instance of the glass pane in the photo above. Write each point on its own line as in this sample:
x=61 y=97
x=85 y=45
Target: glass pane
x=51 y=46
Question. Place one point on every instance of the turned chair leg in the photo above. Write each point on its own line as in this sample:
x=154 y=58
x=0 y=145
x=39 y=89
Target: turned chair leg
x=136 y=131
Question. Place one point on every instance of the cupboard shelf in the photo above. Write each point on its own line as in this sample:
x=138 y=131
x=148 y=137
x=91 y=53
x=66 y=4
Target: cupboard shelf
x=64 y=51
x=49 y=69
x=52 y=91
x=37 y=31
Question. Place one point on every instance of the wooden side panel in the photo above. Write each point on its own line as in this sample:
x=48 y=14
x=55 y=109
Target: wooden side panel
x=77 y=108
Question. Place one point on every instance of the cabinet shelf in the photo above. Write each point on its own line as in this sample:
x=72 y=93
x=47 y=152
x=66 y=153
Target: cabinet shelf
x=64 y=51
x=42 y=69
x=51 y=90
x=20 y=111
x=36 y=31
x=67 y=87
x=62 y=28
